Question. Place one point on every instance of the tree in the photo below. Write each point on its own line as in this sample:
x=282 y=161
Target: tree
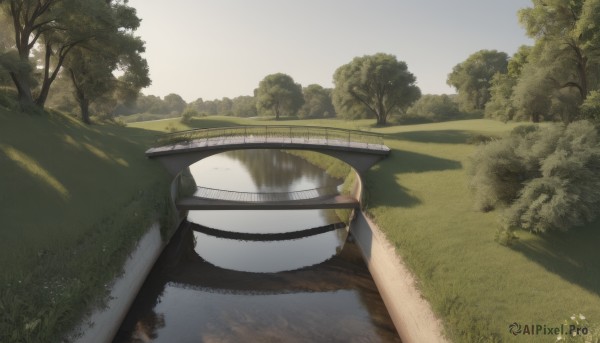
x=174 y=103
x=500 y=105
x=376 y=85
x=472 y=78
x=244 y=106
x=55 y=27
x=317 y=102
x=278 y=94
x=566 y=55
x=91 y=64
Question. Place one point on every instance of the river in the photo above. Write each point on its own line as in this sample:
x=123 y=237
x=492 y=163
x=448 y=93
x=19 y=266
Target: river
x=206 y=288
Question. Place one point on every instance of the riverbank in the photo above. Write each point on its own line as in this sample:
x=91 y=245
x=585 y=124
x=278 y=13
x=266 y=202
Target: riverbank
x=74 y=202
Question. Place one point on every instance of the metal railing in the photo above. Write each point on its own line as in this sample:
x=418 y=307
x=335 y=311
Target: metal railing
x=276 y=134
x=220 y=194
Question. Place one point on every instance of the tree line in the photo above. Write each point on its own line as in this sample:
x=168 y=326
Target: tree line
x=556 y=79
x=82 y=42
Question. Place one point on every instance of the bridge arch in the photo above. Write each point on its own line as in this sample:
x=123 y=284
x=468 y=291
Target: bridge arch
x=360 y=150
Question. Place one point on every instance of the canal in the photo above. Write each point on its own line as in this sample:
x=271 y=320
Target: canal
x=210 y=288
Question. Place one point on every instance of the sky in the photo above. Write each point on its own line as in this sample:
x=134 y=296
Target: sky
x=212 y=49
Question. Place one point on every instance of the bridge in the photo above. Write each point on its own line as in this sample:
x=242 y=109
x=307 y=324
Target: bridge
x=177 y=151
x=217 y=199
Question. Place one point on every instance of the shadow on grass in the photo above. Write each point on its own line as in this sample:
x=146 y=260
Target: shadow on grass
x=573 y=255
x=438 y=136
x=384 y=189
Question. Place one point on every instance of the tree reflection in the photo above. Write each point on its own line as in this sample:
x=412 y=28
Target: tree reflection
x=276 y=171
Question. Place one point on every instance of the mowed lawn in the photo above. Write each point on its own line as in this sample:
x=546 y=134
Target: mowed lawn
x=419 y=197
x=74 y=199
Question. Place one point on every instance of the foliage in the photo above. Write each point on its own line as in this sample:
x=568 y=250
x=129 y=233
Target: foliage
x=432 y=108
x=188 y=115
x=472 y=78
x=547 y=178
x=375 y=85
x=590 y=109
x=244 y=106
x=317 y=102
x=277 y=94
x=174 y=103
x=564 y=63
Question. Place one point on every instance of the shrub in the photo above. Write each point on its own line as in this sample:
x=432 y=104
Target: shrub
x=187 y=115
x=547 y=178
x=432 y=108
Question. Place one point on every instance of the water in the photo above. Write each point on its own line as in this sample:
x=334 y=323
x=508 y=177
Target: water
x=213 y=289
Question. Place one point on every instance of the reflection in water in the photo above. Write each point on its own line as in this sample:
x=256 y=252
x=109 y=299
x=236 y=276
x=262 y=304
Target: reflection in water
x=186 y=299
x=259 y=171
x=271 y=256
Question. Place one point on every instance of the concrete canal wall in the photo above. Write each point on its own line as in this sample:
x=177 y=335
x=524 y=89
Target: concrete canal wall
x=103 y=324
x=412 y=315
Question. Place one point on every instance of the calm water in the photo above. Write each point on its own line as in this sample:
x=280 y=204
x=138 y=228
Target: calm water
x=212 y=289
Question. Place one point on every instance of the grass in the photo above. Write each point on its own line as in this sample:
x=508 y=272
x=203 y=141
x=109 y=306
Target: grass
x=419 y=197
x=74 y=200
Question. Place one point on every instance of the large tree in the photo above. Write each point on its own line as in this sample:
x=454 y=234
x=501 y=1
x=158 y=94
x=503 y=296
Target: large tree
x=566 y=56
x=91 y=65
x=472 y=78
x=375 y=85
x=54 y=27
x=278 y=94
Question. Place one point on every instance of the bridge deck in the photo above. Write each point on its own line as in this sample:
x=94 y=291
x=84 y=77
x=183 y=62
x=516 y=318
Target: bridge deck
x=249 y=142
x=325 y=202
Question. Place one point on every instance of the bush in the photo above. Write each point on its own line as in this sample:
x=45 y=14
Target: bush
x=546 y=178
x=187 y=115
x=432 y=108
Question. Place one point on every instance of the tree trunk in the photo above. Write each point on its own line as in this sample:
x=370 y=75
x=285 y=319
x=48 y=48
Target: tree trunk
x=23 y=89
x=84 y=106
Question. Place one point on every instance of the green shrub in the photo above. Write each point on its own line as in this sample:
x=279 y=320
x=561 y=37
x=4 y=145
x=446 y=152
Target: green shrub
x=187 y=115
x=547 y=178
x=432 y=108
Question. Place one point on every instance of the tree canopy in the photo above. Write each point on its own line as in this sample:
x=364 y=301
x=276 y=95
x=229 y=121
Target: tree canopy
x=375 y=85
x=564 y=65
x=472 y=78
x=97 y=32
x=317 y=102
x=278 y=94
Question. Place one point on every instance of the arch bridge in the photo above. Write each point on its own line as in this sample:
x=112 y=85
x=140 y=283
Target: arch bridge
x=177 y=151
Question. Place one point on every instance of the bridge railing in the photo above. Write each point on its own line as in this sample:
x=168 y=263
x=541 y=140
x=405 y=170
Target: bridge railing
x=220 y=194
x=277 y=133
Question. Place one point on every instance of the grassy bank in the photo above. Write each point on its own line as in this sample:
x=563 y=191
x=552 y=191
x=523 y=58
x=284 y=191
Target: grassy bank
x=419 y=197
x=74 y=199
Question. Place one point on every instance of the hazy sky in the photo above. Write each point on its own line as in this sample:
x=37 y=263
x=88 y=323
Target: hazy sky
x=223 y=48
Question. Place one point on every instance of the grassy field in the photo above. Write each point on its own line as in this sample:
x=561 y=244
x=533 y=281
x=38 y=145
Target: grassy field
x=420 y=199
x=73 y=201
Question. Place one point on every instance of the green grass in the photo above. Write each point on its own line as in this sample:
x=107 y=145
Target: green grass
x=74 y=199
x=420 y=199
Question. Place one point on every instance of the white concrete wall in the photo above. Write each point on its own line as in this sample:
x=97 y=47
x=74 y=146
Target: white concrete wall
x=412 y=315
x=103 y=324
